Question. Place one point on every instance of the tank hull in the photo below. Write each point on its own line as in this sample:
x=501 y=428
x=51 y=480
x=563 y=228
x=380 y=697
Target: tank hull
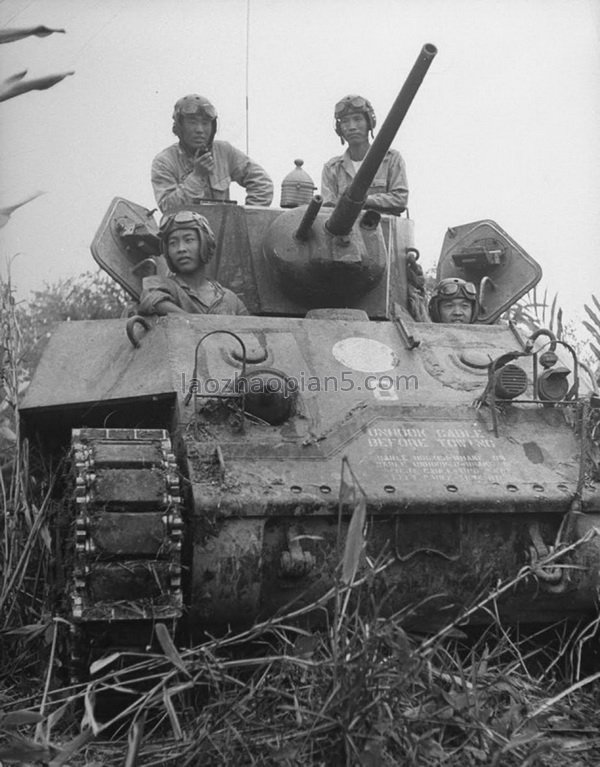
x=454 y=500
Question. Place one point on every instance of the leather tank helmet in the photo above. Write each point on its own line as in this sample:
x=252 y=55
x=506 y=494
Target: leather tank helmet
x=187 y=219
x=193 y=104
x=453 y=287
x=351 y=105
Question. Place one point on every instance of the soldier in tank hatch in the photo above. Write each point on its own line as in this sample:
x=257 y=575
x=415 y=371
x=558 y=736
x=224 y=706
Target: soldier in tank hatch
x=188 y=244
x=454 y=301
x=354 y=121
x=201 y=168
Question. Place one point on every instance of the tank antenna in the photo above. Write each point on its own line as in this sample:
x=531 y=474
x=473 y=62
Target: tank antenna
x=247 y=67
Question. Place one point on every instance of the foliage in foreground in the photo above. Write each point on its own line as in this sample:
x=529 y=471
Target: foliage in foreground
x=534 y=311
x=359 y=692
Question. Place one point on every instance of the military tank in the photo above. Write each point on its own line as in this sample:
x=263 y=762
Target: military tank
x=216 y=461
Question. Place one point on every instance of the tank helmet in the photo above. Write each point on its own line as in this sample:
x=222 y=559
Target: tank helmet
x=187 y=219
x=453 y=287
x=193 y=104
x=352 y=104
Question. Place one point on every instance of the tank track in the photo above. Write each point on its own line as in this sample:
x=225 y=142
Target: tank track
x=124 y=547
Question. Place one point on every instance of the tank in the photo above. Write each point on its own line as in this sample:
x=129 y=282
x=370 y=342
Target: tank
x=218 y=462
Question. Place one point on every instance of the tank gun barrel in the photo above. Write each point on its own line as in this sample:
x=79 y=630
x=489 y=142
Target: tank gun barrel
x=350 y=203
x=312 y=210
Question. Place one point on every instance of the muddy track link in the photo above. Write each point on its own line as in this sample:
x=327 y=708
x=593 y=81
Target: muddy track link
x=127 y=536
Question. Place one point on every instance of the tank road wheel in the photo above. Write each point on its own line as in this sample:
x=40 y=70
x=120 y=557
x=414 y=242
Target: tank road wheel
x=124 y=548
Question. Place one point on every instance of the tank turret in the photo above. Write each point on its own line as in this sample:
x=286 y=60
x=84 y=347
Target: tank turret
x=324 y=260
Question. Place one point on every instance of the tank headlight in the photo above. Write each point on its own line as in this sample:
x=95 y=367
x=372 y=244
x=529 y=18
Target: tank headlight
x=553 y=385
x=510 y=381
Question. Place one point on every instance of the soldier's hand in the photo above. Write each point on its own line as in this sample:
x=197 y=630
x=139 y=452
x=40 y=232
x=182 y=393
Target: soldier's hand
x=205 y=163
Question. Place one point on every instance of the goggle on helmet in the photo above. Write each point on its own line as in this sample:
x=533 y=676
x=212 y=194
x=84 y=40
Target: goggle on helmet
x=453 y=287
x=187 y=219
x=352 y=104
x=193 y=104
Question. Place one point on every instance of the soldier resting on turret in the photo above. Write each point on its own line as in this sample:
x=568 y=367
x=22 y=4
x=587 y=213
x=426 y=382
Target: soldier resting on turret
x=200 y=168
x=454 y=301
x=188 y=244
x=354 y=120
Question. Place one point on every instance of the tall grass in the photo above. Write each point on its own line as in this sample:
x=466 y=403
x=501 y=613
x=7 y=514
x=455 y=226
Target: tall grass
x=25 y=536
x=361 y=692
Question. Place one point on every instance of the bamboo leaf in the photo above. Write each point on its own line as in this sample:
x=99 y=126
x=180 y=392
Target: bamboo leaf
x=46 y=537
x=136 y=733
x=89 y=719
x=16 y=85
x=559 y=324
x=173 y=718
x=591 y=315
x=169 y=649
x=98 y=665
x=592 y=330
x=355 y=541
x=553 y=310
x=18 y=718
x=6 y=212
x=544 y=305
x=18 y=33
x=29 y=631
x=57 y=715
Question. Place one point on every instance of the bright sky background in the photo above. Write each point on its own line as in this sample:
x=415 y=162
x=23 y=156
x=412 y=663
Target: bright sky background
x=506 y=124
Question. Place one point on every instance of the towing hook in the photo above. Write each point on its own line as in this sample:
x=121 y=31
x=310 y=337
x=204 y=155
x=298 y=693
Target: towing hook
x=131 y=323
x=552 y=578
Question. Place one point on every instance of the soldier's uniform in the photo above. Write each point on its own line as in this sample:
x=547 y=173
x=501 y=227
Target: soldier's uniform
x=388 y=191
x=176 y=184
x=157 y=289
x=178 y=179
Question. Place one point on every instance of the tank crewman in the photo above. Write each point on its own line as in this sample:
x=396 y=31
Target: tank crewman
x=454 y=300
x=188 y=244
x=354 y=120
x=199 y=167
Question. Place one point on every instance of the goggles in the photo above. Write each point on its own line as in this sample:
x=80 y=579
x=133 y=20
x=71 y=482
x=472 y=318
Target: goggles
x=192 y=105
x=453 y=286
x=352 y=104
x=181 y=220
x=197 y=114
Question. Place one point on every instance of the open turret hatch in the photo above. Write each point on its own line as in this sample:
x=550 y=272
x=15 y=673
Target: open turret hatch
x=483 y=253
x=126 y=245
